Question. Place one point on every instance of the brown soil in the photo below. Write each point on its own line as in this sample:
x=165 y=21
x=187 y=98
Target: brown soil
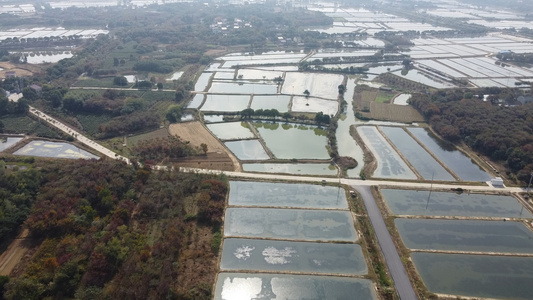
x=14 y=253
x=218 y=156
x=21 y=70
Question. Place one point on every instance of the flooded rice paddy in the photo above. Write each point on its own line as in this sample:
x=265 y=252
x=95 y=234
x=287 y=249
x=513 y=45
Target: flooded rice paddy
x=245 y=193
x=411 y=202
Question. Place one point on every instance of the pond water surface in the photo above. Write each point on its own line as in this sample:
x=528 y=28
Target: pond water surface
x=454 y=159
x=247 y=193
x=322 y=169
x=6 y=142
x=283 y=256
x=231 y=130
x=288 y=141
x=246 y=286
x=247 y=150
x=294 y=224
x=54 y=149
x=389 y=162
x=476 y=275
x=410 y=202
x=465 y=235
x=419 y=158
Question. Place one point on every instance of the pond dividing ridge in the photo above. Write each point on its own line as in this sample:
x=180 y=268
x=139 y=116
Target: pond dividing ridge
x=280 y=238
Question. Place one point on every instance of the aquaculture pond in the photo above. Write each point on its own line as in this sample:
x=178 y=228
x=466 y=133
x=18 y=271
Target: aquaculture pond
x=6 y=142
x=196 y=101
x=411 y=202
x=279 y=102
x=419 y=158
x=346 y=144
x=247 y=286
x=465 y=235
x=322 y=169
x=213 y=118
x=248 y=193
x=389 y=162
x=225 y=103
x=288 y=256
x=54 y=149
x=288 y=141
x=231 y=130
x=243 y=88
x=202 y=82
x=294 y=224
x=247 y=150
x=454 y=159
x=476 y=275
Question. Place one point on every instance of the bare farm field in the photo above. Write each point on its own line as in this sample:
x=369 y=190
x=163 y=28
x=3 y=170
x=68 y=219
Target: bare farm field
x=218 y=156
x=394 y=113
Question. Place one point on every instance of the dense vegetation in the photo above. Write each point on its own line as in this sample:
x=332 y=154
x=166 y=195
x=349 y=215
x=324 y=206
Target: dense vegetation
x=110 y=231
x=502 y=133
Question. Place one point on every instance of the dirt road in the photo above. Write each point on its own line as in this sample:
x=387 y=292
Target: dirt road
x=13 y=254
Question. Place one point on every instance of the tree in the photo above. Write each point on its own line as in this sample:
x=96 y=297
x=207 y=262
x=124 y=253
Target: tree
x=30 y=94
x=247 y=113
x=115 y=61
x=174 y=112
x=120 y=81
x=307 y=93
x=342 y=89
x=159 y=86
x=204 y=148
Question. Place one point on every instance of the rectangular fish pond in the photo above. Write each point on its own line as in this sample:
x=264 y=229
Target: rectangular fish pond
x=454 y=159
x=287 y=256
x=247 y=193
x=481 y=276
x=323 y=169
x=293 y=224
x=294 y=141
x=465 y=235
x=247 y=286
x=412 y=202
x=54 y=149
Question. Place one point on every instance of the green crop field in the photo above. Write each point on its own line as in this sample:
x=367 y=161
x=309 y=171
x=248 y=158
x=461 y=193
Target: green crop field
x=91 y=123
x=27 y=125
x=158 y=133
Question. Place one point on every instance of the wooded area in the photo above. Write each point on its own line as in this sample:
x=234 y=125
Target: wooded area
x=110 y=231
x=504 y=134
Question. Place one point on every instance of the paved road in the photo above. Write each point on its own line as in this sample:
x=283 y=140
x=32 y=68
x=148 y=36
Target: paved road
x=396 y=268
x=77 y=135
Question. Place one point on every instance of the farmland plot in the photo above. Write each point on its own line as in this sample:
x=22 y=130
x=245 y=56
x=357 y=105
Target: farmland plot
x=253 y=74
x=279 y=102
